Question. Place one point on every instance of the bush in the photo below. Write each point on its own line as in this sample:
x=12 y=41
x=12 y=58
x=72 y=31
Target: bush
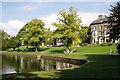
x=94 y=44
x=4 y=45
x=14 y=43
x=118 y=48
x=106 y=44
x=83 y=44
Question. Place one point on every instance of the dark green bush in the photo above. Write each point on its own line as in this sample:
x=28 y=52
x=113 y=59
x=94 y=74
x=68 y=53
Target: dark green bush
x=106 y=44
x=4 y=45
x=83 y=44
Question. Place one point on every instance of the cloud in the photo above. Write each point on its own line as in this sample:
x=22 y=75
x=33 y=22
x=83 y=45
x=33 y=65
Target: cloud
x=86 y=17
x=49 y=20
x=28 y=7
x=12 y=27
x=1 y=25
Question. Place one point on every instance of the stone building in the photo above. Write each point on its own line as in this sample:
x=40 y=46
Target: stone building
x=99 y=30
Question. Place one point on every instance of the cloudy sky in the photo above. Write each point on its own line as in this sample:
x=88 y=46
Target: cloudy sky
x=16 y=14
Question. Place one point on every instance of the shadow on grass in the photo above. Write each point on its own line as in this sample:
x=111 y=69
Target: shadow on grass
x=99 y=66
x=57 y=51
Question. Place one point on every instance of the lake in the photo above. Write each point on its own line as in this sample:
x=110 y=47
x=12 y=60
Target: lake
x=15 y=63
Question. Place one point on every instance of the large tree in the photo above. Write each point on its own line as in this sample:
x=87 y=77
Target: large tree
x=114 y=20
x=32 y=33
x=68 y=27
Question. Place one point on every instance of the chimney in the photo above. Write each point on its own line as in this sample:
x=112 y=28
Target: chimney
x=100 y=16
x=105 y=16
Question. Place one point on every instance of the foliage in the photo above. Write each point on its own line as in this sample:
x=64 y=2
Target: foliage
x=14 y=43
x=85 y=34
x=4 y=40
x=68 y=27
x=114 y=20
x=106 y=44
x=3 y=34
x=83 y=44
x=4 y=44
x=32 y=33
x=49 y=39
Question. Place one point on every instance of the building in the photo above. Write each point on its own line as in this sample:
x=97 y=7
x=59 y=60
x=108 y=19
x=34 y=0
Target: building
x=100 y=30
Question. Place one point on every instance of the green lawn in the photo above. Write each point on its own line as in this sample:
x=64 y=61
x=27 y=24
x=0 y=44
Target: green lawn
x=100 y=65
x=80 y=50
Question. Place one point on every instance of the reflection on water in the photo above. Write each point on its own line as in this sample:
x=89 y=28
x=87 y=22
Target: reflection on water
x=26 y=63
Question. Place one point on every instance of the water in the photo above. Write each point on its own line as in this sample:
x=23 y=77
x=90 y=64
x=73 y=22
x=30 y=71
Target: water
x=27 y=63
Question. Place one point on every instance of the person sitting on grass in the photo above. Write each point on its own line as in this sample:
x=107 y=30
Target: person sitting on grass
x=110 y=51
x=69 y=52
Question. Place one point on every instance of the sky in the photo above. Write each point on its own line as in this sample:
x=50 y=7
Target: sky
x=16 y=14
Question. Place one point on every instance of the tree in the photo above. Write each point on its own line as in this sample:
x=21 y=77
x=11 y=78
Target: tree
x=114 y=20
x=48 y=37
x=32 y=33
x=85 y=34
x=68 y=27
x=4 y=40
x=14 y=43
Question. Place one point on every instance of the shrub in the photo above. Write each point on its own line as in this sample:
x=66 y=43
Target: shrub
x=106 y=44
x=83 y=44
x=4 y=45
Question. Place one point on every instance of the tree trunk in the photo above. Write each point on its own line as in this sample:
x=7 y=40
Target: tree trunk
x=27 y=48
x=36 y=49
x=55 y=42
x=113 y=40
x=36 y=46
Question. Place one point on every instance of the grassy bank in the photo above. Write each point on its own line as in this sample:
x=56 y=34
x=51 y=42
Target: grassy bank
x=100 y=65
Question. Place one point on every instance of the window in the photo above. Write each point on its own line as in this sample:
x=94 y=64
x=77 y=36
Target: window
x=100 y=27
x=94 y=28
x=104 y=33
x=100 y=33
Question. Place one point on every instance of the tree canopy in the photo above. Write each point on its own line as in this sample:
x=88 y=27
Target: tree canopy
x=32 y=33
x=68 y=27
x=3 y=34
x=85 y=37
x=114 y=20
x=14 y=43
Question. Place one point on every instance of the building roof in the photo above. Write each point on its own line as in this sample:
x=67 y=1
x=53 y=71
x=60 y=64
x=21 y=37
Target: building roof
x=100 y=21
